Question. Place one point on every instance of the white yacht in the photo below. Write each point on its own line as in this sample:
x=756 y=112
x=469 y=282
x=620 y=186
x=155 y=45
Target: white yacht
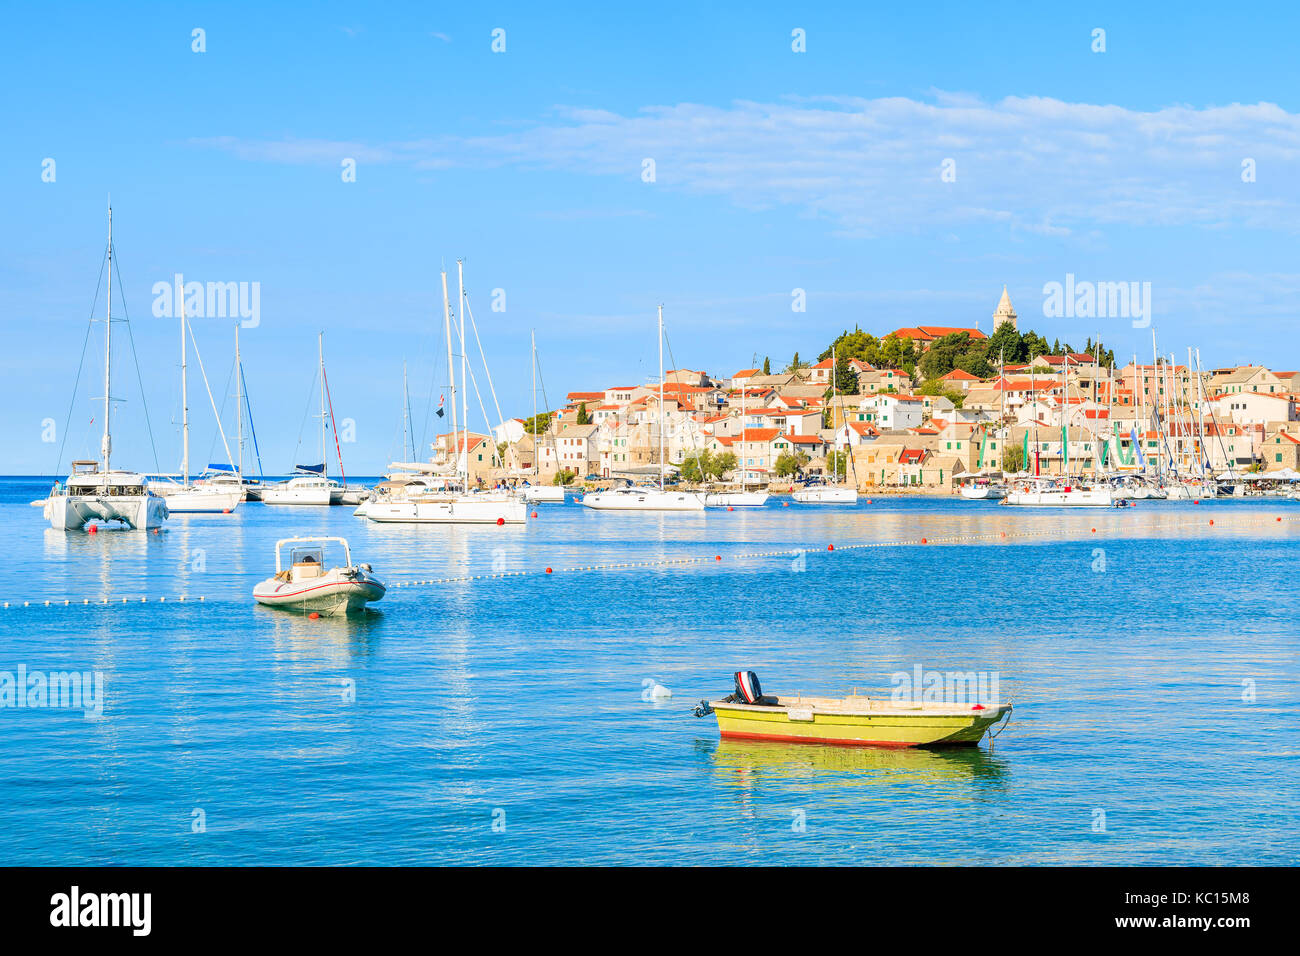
x=436 y=498
x=648 y=498
x=817 y=493
x=736 y=499
x=94 y=491
x=549 y=494
x=982 y=488
x=305 y=489
x=1059 y=493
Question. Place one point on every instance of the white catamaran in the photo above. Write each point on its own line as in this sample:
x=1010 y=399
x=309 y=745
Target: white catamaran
x=643 y=497
x=94 y=491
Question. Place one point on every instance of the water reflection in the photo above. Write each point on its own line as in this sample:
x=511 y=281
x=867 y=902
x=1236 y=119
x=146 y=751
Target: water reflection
x=747 y=763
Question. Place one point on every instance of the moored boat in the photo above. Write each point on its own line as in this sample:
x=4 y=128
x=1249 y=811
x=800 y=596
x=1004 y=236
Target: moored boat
x=306 y=585
x=853 y=721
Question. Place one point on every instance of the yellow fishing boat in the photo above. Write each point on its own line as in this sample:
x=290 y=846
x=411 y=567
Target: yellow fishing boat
x=853 y=721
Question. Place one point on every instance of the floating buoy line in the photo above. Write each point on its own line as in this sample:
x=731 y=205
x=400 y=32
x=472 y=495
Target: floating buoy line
x=926 y=541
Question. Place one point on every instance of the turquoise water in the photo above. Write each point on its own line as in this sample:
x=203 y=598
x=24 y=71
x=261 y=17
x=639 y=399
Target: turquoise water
x=402 y=737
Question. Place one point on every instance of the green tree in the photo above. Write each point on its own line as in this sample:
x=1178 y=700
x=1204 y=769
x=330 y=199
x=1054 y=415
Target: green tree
x=845 y=379
x=719 y=465
x=790 y=465
x=563 y=477
x=538 y=423
x=1013 y=458
x=837 y=463
x=796 y=364
x=767 y=366
x=583 y=418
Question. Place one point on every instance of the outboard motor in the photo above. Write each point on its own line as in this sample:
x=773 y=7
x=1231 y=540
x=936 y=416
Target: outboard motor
x=747 y=687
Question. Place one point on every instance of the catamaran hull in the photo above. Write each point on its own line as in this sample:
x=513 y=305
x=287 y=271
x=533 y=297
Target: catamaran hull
x=650 y=501
x=953 y=728
x=736 y=499
x=74 y=512
x=826 y=496
x=466 y=510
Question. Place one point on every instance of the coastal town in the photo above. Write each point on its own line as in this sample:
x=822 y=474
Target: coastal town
x=915 y=409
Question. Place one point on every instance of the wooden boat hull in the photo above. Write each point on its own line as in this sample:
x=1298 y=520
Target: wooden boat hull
x=894 y=726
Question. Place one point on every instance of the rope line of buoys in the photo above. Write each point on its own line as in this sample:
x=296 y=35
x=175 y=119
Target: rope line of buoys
x=832 y=548
x=104 y=601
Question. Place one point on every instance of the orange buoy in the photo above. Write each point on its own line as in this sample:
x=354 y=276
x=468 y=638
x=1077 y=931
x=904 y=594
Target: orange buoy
x=548 y=570
x=1094 y=530
x=1004 y=534
x=923 y=541
x=313 y=616
x=717 y=557
x=533 y=515
x=500 y=521
x=91 y=529
x=785 y=504
x=1196 y=501
x=1211 y=521
x=729 y=508
x=225 y=511
x=830 y=547
x=1279 y=519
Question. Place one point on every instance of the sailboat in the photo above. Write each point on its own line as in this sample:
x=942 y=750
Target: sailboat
x=438 y=497
x=987 y=484
x=742 y=497
x=197 y=498
x=312 y=484
x=824 y=492
x=535 y=491
x=641 y=497
x=94 y=491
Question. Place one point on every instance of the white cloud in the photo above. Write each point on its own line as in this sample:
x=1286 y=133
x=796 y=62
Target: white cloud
x=872 y=166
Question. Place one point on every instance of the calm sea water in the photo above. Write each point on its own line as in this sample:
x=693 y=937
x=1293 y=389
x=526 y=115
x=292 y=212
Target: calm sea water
x=1153 y=664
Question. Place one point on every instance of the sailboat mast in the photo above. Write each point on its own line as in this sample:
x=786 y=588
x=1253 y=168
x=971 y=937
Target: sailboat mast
x=661 y=398
x=106 y=443
x=239 y=408
x=185 y=397
x=464 y=392
x=532 y=338
x=324 y=456
x=406 y=425
x=451 y=371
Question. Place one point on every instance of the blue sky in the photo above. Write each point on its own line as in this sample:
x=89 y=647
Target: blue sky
x=775 y=170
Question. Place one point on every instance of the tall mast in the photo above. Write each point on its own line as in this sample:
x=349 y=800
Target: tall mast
x=464 y=392
x=239 y=407
x=451 y=371
x=106 y=443
x=324 y=455
x=743 y=473
x=532 y=337
x=185 y=398
x=405 y=406
x=661 y=398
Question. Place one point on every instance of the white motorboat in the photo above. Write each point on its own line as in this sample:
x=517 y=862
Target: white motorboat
x=94 y=491
x=643 y=498
x=1058 y=493
x=543 y=494
x=91 y=495
x=736 y=499
x=306 y=585
x=305 y=489
x=822 y=494
x=982 y=489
